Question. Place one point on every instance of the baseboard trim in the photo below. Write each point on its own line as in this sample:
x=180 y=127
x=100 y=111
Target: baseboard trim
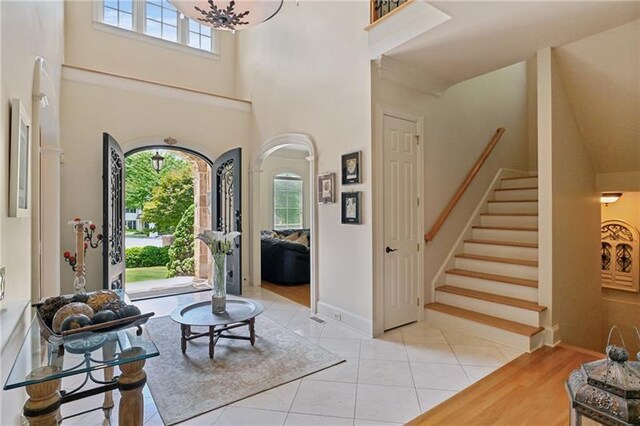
x=349 y=319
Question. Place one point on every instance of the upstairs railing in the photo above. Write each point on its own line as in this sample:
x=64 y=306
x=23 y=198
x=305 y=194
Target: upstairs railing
x=382 y=8
x=463 y=187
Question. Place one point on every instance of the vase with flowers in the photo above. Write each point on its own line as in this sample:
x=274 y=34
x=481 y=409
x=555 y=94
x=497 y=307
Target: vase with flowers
x=220 y=245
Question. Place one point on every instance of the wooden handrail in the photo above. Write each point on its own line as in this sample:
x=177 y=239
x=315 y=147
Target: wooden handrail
x=463 y=186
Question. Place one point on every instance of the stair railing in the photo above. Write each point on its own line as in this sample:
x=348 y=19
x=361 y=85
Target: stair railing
x=464 y=186
x=381 y=8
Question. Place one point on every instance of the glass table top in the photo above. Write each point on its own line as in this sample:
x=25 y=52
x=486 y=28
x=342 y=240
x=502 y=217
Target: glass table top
x=39 y=360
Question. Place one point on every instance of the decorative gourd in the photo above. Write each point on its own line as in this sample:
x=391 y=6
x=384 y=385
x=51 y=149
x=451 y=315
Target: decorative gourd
x=51 y=306
x=101 y=298
x=74 y=322
x=104 y=316
x=67 y=311
x=130 y=311
x=113 y=306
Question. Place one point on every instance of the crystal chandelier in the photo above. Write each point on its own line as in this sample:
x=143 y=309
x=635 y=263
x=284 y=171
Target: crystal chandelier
x=228 y=15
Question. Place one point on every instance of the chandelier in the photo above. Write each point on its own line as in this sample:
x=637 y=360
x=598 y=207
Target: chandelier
x=228 y=15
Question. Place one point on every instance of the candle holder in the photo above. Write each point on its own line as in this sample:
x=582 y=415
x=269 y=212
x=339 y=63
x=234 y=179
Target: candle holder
x=85 y=231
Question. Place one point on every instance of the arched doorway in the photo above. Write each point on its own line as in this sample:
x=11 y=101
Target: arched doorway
x=167 y=202
x=264 y=209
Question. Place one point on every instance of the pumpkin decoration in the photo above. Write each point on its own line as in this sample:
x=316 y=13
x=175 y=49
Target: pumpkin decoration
x=75 y=321
x=68 y=310
x=101 y=298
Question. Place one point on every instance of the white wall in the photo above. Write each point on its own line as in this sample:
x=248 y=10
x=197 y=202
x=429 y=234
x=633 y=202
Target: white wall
x=272 y=166
x=145 y=57
x=133 y=119
x=458 y=126
x=575 y=227
x=28 y=29
x=307 y=71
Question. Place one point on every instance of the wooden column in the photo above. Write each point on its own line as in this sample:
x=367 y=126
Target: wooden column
x=108 y=352
x=130 y=383
x=43 y=406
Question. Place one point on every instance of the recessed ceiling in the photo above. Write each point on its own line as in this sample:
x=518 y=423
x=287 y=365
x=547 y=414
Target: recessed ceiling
x=482 y=36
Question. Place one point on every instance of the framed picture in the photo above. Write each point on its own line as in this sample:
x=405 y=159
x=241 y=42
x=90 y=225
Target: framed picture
x=20 y=160
x=351 y=208
x=326 y=188
x=351 y=168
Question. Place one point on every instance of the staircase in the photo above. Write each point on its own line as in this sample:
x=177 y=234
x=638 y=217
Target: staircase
x=492 y=291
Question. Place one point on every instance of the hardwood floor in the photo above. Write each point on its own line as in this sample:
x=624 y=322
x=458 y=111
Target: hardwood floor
x=300 y=294
x=528 y=391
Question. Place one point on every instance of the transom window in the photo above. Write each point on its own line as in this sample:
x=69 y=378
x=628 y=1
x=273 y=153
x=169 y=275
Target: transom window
x=157 y=18
x=287 y=201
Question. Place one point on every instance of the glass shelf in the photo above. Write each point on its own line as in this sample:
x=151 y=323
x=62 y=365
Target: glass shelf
x=39 y=361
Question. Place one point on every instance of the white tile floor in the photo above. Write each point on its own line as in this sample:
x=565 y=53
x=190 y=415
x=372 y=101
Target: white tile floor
x=389 y=380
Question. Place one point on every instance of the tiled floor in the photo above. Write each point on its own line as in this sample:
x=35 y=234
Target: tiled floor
x=389 y=380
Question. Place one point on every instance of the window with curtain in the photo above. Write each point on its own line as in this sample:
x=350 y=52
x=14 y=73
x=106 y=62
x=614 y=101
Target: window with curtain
x=287 y=201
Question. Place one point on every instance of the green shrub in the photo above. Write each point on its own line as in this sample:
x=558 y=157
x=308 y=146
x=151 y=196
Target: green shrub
x=142 y=257
x=181 y=253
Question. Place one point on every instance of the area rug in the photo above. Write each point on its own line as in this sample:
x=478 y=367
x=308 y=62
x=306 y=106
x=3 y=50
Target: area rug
x=187 y=385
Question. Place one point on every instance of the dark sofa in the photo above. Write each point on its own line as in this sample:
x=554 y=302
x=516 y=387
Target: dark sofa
x=285 y=262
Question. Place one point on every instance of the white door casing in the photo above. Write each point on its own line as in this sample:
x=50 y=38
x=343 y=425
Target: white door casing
x=402 y=262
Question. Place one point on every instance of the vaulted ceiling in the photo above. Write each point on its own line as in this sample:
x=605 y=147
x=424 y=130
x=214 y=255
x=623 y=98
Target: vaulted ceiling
x=601 y=74
x=483 y=36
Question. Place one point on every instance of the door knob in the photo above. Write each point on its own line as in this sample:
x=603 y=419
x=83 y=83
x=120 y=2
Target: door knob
x=389 y=249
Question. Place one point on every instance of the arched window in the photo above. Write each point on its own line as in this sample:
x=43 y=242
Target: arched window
x=287 y=201
x=619 y=256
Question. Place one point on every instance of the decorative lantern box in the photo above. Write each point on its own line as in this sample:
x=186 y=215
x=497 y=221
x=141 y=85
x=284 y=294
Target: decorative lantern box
x=607 y=390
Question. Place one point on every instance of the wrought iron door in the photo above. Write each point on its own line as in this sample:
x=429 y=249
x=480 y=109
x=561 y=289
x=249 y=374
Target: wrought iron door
x=226 y=210
x=112 y=213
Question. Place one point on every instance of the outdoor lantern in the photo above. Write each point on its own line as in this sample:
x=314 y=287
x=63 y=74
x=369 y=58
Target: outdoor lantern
x=157 y=160
x=228 y=15
x=607 y=390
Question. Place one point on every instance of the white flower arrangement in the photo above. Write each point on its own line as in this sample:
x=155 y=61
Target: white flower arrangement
x=217 y=241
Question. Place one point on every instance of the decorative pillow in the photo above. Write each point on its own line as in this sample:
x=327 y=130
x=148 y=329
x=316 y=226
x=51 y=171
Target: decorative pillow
x=276 y=235
x=294 y=236
x=304 y=240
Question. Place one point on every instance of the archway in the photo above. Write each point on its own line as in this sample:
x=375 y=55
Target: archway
x=300 y=142
x=181 y=206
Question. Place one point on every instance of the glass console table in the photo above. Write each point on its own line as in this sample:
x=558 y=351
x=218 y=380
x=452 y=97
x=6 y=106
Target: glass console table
x=40 y=367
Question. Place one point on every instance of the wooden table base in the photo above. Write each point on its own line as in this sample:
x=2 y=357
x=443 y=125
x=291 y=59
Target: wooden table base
x=217 y=333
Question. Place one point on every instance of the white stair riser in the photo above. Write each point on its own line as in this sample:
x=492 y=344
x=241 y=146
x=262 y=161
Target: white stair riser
x=519 y=183
x=516 y=194
x=506 y=269
x=517 y=207
x=511 y=313
x=523 y=221
x=501 y=251
x=505 y=235
x=503 y=289
x=504 y=337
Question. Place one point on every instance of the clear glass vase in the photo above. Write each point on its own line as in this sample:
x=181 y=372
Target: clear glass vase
x=218 y=283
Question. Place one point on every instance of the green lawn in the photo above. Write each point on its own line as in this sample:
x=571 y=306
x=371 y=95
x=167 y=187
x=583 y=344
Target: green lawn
x=134 y=275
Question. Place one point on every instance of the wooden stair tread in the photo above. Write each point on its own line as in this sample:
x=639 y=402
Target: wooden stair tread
x=512 y=326
x=508 y=260
x=507 y=228
x=512 y=201
x=516 y=189
x=519 y=177
x=509 y=214
x=494 y=277
x=502 y=243
x=495 y=298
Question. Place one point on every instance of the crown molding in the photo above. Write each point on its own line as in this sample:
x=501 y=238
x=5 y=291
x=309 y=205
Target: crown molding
x=409 y=76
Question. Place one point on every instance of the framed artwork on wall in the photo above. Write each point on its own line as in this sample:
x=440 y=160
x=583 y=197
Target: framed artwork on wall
x=352 y=168
x=326 y=188
x=351 y=208
x=20 y=160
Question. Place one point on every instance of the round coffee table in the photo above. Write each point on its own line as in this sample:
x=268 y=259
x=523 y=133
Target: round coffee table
x=240 y=313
